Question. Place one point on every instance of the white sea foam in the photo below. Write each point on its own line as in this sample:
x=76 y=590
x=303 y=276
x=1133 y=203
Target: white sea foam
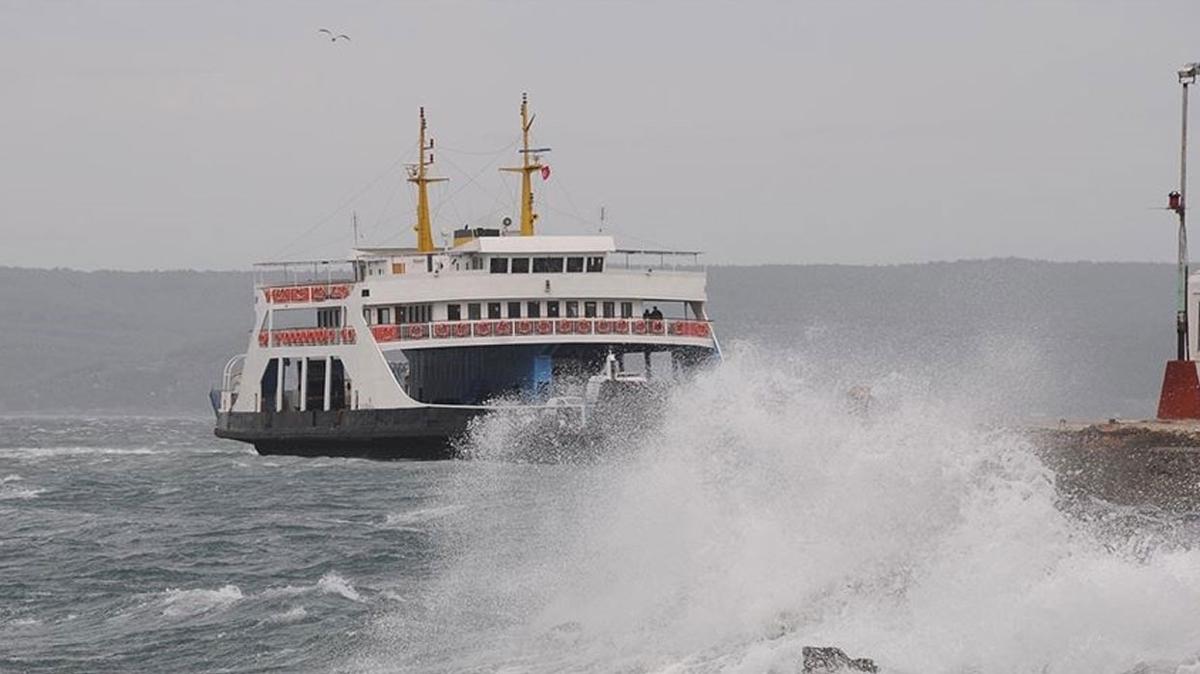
x=761 y=517
x=10 y=491
x=413 y=518
x=46 y=452
x=331 y=583
x=182 y=603
x=10 y=478
x=293 y=614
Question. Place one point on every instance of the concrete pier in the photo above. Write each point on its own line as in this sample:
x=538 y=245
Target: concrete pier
x=1129 y=462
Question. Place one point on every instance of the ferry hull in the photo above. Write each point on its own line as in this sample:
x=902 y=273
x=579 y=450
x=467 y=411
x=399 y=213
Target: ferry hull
x=416 y=433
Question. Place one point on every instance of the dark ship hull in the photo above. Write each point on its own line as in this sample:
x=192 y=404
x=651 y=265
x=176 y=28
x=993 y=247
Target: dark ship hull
x=411 y=433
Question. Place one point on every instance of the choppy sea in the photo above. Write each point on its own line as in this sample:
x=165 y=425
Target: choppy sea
x=755 y=518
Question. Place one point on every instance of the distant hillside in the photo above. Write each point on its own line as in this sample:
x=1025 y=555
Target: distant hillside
x=1059 y=338
x=117 y=341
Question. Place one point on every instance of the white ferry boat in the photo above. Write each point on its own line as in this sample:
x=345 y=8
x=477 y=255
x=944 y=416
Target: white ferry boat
x=392 y=352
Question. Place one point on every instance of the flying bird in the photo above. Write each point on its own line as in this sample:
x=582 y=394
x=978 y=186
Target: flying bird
x=332 y=37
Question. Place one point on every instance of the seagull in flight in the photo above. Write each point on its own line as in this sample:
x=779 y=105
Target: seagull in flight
x=332 y=37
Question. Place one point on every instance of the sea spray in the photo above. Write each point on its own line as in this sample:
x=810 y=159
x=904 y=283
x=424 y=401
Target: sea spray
x=759 y=516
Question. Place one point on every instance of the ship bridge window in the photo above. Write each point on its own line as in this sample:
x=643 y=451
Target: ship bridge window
x=589 y=309
x=413 y=313
x=385 y=315
x=595 y=264
x=473 y=311
x=283 y=319
x=454 y=312
x=533 y=309
x=520 y=265
x=552 y=309
x=329 y=318
x=547 y=265
x=626 y=309
x=493 y=310
x=572 y=309
x=514 y=309
x=574 y=264
x=499 y=265
x=610 y=309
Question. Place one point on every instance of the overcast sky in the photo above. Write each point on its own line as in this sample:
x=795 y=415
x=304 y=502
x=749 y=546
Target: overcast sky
x=151 y=135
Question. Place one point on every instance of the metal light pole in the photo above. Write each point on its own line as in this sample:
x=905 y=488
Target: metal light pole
x=1180 y=397
x=1178 y=203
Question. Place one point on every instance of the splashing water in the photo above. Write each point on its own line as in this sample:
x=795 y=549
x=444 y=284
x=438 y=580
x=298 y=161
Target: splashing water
x=759 y=517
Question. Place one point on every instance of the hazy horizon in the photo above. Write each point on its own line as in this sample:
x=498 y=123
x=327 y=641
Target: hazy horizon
x=209 y=135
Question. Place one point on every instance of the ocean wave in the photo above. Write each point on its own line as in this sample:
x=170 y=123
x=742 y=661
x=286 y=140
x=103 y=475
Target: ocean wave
x=293 y=614
x=8 y=493
x=183 y=603
x=39 y=452
x=423 y=515
x=331 y=583
x=760 y=516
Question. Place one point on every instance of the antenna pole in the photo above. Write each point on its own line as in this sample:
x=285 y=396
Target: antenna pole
x=423 y=227
x=529 y=165
x=354 y=219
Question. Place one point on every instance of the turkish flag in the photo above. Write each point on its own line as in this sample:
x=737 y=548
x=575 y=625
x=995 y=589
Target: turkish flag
x=545 y=173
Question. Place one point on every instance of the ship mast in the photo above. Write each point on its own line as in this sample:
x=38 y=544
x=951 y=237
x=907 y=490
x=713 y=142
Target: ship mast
x=416 y=174
x=530 y=163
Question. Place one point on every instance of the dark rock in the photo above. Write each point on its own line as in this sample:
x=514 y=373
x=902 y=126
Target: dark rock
x=828 y=660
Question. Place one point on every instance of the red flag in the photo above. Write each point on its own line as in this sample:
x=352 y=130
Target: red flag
x=545 y=173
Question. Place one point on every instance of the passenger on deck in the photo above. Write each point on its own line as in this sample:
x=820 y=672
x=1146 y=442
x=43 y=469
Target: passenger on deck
x=645 y=314
x=656 y=314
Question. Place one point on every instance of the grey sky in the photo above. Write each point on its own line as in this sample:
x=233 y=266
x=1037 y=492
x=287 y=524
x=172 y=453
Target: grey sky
x=213 y=134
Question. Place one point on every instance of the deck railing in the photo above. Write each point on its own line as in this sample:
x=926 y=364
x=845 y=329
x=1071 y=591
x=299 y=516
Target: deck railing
x=540 y=327
x=494 y=328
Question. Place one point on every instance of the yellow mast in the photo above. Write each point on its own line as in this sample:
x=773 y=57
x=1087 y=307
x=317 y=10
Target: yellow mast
x=417 y=175
x=529 y=164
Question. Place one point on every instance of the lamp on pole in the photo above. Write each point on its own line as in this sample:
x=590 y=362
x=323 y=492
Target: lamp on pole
x=1178 y=203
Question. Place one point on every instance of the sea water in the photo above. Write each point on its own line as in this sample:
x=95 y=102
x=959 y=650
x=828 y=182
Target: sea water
x=758 y=515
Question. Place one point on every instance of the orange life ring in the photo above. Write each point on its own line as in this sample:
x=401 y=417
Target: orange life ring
x=524 y=327
x=462 y=329
x=545 y=327
x=565 y=326
x=621 y=326
x=656 y=327
x=583 y=326
x=441 y=330
x=417 y=331
x=639 y=327
x=503 y=328
x=483 y=329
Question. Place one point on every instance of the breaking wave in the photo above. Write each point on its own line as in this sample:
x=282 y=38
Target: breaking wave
x=760 y=516
x=181 y=603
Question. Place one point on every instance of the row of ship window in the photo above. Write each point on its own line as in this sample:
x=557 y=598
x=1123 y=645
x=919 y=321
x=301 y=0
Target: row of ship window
x=474 y=311
x=546 y=265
